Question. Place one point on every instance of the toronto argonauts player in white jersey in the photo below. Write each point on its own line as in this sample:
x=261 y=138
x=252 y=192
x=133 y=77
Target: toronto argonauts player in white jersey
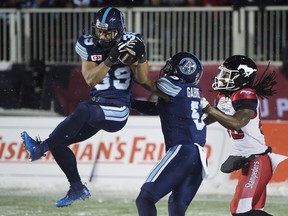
x=108 y=109
x=237 y=109
x=183 y=167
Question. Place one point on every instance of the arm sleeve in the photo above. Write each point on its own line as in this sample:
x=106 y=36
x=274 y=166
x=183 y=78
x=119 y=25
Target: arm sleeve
x=81 y=51
x=146 y=107
x=245 y=104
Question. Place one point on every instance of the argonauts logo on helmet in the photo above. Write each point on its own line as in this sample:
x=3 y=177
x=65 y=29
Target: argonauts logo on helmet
x=187 y=66
x=184 y=65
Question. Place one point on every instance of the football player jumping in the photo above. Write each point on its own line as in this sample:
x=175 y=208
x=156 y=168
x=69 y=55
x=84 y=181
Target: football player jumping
x=108 y=109
x=237 y=109
x=183 y=167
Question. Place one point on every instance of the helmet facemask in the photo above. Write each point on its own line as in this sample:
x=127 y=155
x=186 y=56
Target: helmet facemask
x=168 y=69
x=236 y=72
x=225 y=79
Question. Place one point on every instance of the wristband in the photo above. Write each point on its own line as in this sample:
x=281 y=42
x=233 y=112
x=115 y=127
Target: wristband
x=141 y=60
x=108 y=62
x=206 y=108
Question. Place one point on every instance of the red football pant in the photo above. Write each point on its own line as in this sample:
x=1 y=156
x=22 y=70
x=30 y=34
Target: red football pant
x=251 y=188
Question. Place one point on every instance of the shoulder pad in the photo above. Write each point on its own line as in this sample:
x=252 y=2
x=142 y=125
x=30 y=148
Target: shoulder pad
x=166 y=85
x=83 y=45
x=245 y=93
x=131 y=36
x=86 y=40
x=86 y=49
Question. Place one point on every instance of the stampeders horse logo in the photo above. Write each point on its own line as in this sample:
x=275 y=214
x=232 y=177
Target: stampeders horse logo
x=246 y=92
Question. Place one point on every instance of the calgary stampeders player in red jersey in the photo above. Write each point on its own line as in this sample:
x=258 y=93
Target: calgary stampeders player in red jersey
x=238 y=110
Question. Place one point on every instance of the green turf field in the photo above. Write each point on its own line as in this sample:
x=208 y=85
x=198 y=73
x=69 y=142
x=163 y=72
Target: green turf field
x=34 y=202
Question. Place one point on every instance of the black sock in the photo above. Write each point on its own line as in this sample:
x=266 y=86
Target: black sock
x=76 y=185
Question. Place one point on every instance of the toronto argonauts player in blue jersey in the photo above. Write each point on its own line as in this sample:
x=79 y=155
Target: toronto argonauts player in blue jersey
x=108 y=109
x=183 y=167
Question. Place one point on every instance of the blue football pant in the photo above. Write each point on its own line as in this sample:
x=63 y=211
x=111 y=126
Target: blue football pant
x=179 y=172
x=88 y=118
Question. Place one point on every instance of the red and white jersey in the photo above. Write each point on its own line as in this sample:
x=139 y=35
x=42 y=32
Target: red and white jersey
x=249 y=139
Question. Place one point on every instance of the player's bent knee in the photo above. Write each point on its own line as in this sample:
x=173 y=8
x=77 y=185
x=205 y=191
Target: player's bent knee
x=146 y=204
x=145 y=197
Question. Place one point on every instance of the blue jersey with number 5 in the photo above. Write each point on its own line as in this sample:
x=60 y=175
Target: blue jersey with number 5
x=116 y=85
x=181 y=120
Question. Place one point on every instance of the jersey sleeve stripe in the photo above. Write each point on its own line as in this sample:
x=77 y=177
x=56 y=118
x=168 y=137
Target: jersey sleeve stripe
x=167 y=87
x=81 y=51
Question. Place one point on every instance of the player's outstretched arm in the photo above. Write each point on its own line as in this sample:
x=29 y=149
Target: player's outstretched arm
x=142 y=77
x=234 y=122
x=209 y=120
x=141 y=69
x=145 y=107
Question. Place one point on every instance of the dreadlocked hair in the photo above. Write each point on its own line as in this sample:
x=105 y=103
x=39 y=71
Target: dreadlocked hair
x=264 y=85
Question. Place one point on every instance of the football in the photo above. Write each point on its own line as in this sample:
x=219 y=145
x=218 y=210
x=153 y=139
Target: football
x=127 y=58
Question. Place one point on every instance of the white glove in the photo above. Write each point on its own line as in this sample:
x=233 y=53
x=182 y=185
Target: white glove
x=204 y=103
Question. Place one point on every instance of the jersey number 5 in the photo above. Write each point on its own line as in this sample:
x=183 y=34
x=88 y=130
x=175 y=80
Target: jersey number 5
x=196 y=115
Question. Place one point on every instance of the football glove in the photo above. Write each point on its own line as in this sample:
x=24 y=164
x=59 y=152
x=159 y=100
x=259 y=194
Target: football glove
x=204 y=104
x=137 y=47
x=114 y=54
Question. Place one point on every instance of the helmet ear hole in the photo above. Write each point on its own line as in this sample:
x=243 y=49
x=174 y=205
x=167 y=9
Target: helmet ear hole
x=241 y=72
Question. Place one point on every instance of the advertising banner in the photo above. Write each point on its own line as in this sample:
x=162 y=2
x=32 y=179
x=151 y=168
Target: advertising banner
x=124 y=157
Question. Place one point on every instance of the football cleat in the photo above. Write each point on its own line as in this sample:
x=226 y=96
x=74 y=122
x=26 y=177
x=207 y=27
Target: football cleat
x=34 y=147
x=72 y=196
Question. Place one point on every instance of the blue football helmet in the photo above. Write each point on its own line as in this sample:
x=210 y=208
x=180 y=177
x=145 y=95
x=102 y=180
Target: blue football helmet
x=108 y=27
x=184 y=65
